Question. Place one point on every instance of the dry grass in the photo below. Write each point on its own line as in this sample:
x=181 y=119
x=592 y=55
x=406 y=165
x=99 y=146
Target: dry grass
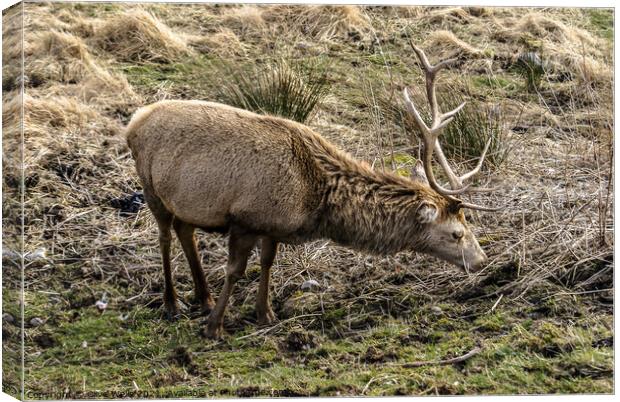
x=137 y=35
x=320 y=22
x=450 y=45
x=223 y=43
x=568 y=47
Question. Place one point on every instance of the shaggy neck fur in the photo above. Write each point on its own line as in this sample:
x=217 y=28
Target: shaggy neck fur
x=368 y=210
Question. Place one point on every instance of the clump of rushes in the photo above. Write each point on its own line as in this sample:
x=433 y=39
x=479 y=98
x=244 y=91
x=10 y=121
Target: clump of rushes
x=476 y=124
x=530 y=66
x=280 y=88
x=465 y=138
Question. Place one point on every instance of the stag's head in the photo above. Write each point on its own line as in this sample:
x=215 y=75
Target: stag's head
x=447 y=234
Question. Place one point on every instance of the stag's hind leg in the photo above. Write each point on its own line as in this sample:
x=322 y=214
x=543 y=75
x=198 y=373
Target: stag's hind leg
x=185 y=233
x=239 y=248
x=164 y=222
x=268 y=251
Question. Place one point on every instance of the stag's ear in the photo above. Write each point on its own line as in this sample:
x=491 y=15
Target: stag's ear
x=418 y=174
x=427 y=212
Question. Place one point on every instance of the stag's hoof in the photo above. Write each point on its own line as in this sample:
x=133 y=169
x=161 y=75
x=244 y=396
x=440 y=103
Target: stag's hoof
x=171 y=311
x=213 y=331
x=207 y=305
x=266 y=318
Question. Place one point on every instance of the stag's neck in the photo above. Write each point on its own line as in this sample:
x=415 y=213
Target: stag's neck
x=372 y=211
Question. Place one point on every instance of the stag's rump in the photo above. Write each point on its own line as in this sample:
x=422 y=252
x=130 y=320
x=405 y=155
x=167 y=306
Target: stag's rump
x=212 y=165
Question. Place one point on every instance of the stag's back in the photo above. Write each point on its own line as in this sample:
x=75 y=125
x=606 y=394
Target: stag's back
x=212 y=165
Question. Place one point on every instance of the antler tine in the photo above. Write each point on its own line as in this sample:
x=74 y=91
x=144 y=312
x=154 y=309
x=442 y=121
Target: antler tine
x=480 y=207
x=430 y=135
x=420 y=122
x=428 y=67
x=429 y=138
x=479 y=165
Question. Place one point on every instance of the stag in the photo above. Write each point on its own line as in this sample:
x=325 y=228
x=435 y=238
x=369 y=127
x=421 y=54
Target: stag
x=268 y=180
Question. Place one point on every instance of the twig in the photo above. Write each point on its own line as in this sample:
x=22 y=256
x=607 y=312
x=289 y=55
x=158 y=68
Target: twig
x=266 y=330
x=497 y=302
x=454 y=360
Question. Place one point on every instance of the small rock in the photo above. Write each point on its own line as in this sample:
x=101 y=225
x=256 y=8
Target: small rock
x=310 y=285
x=36 y=322
x=8 y=318
x=37 y=255
x=101 y=305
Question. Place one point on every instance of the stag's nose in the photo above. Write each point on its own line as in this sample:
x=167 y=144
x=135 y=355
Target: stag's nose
x=479 y=261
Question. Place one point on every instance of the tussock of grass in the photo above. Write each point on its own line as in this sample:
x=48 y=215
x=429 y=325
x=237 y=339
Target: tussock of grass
x=450 y=45
x=321 y=22
x=281 y=90
x=57 y=112
x=569 y=48
x=223 y=43
x=531 y=66
x=448 y=16
x=471 y=129
x=62 y=63
x=58 y=57
x=137 y=36
x=245 y=19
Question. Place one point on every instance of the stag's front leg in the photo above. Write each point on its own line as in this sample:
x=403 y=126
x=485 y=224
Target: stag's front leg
x=239 y=249
x=264 y=314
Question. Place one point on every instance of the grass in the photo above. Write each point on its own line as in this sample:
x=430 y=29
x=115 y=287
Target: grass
x=279 y=88
x=530 y=66
x=476 y=124
x=157 y=355
x=602 y=20
x=152 y=79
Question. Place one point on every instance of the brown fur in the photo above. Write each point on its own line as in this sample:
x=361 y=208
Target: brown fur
x=259 y=177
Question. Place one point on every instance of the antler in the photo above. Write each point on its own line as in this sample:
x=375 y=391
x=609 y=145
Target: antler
x=430 y=135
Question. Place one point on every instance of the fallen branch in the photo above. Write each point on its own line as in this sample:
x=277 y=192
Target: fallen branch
x=454 y=360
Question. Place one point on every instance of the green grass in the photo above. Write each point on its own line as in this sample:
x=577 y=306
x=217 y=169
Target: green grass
x=191 y=78
x=137 y=356
x=476 y=124
x=602 y=22
x=530 y=66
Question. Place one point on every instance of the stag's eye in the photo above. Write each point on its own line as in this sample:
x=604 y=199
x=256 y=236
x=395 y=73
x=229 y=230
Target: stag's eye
x=457 y=234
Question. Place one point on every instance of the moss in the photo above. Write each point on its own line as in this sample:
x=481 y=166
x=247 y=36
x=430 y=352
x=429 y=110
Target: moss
x=140 y=349
x=492 y=322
